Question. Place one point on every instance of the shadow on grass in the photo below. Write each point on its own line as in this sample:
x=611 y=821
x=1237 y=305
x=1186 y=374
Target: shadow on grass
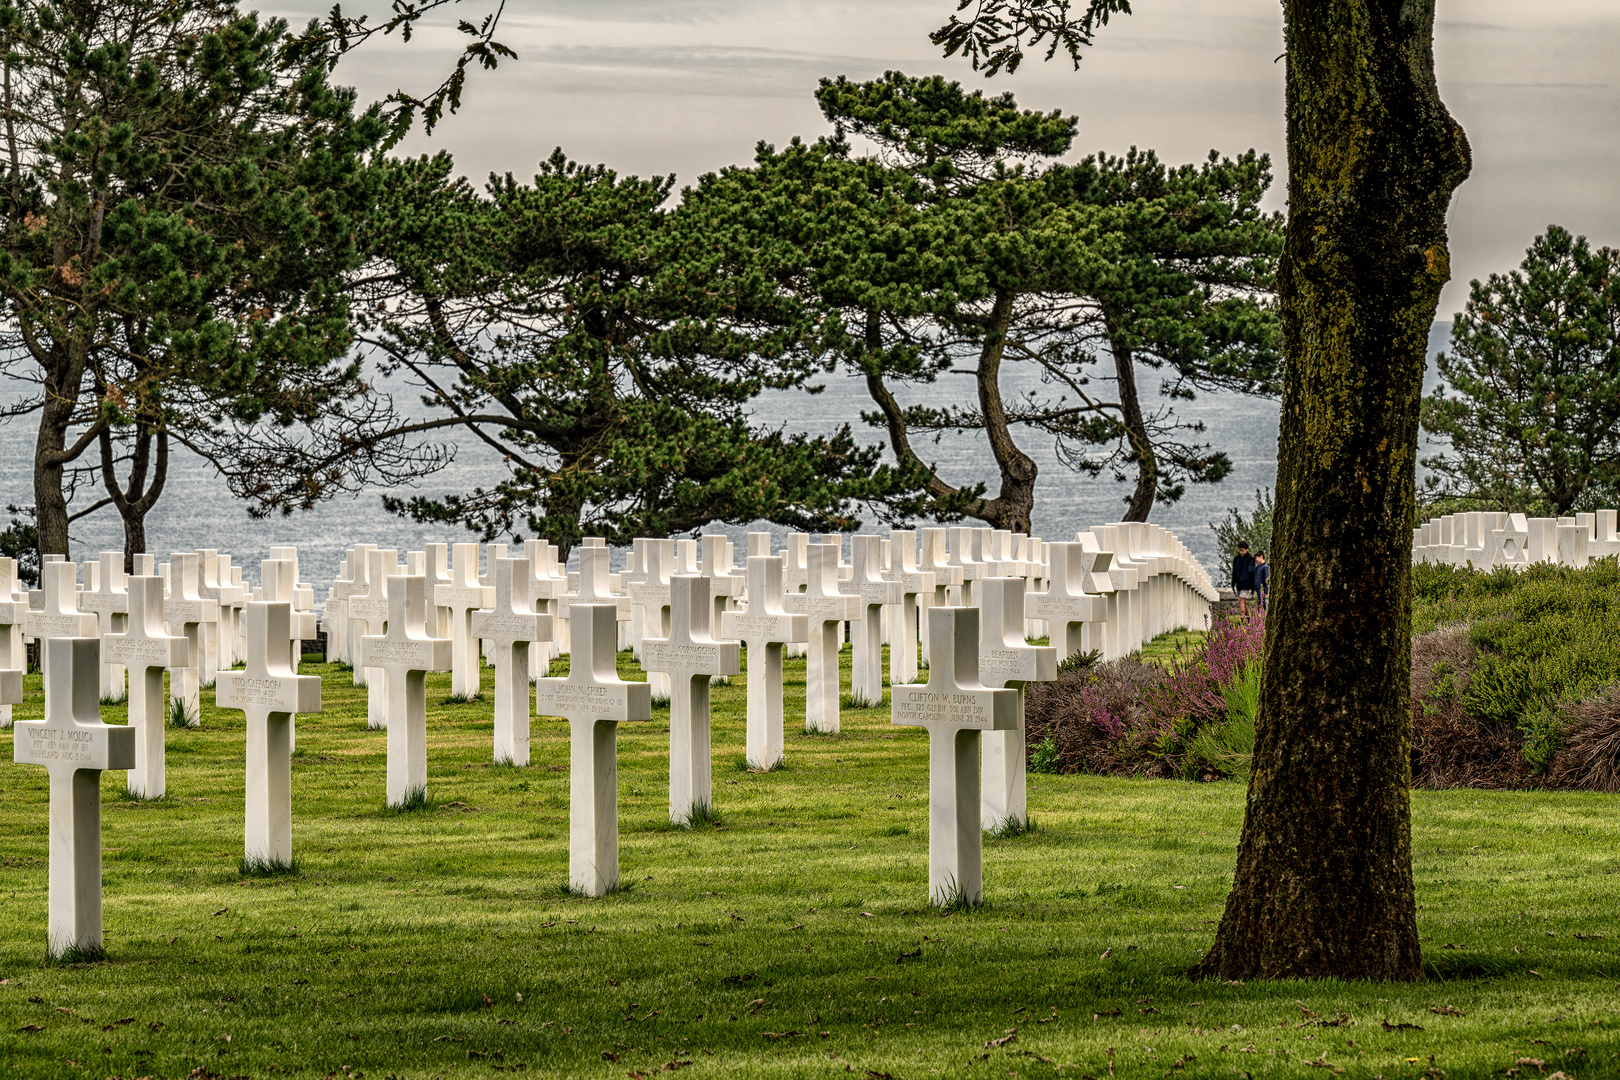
x=415 y=801
x=1012 y=828
x=1447 y=966
x=255 y=866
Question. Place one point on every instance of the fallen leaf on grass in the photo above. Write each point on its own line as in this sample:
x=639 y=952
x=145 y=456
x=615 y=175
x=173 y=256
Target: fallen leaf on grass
x=908 y=955
x=1149 y=1009
x=33 y=1027
x=755 y=1005
x=1012 y=1034
x=1534 y=1063
x=1445 y=1010
x=608 y=1055
x=1107 y=953
x=867 y=915
x=784 y=1035
x=1582 y=937
x=1400 y=1027
x=739 y=979
x=221 y=911
x=797 y=926
x=1106 y=1012
x=1537 y=974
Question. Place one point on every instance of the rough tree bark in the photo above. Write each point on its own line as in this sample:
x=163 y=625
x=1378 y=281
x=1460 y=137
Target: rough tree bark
x=1323 y=885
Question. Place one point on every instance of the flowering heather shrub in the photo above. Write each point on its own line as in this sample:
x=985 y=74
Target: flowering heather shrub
x=1130 y=718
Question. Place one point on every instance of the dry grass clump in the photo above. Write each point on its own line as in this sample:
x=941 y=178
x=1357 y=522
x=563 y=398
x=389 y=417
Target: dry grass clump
x=1450 y=748
x=1590 y=756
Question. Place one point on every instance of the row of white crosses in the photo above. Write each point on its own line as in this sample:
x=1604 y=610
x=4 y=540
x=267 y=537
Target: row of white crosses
x=75 y=747
x=1485 y=541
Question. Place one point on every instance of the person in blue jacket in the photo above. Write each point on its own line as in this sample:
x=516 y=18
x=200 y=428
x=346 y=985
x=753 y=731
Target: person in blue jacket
x=1262 y=579
x=1243 y=578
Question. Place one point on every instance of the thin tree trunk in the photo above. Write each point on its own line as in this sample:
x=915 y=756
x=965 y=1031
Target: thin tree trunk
x=1147 y=463
x=1323 y=886
x=138 y=497
x=1013 y=505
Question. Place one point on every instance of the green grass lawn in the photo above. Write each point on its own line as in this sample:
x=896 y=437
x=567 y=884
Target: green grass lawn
x=790 y=940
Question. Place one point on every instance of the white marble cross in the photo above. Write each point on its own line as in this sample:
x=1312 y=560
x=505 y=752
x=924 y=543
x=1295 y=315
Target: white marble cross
x=75 y=748
x=827 y=609
x=370 y=610
x=965 y=556
x=765 y=628
x=956 y=708
x=1072 y=615
x=510 y=627
x=651 y=597
x=437 y=569
x=463 y=596
x=595 y=584
x=13 y=657
x=875 y=593
x=359 y=585
x=690 y=657
x=916 y=592
x=185 y=611
x=947 y=578
x=594 y=701
x=60 y=615
x=146 y=649
x=404 y=656
x=725 y=584
x=269 y=694
x=109 y=603
x=1006 y=659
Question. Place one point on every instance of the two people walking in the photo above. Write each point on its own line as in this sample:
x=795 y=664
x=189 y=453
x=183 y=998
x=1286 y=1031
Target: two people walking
x=1251 y=578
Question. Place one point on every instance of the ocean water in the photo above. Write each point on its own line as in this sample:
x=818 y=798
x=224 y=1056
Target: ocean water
x=196 y=509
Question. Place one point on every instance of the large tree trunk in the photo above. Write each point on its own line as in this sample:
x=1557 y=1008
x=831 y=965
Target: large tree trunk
x=1147 y=463
x=1323 y=886
x=1013 y=505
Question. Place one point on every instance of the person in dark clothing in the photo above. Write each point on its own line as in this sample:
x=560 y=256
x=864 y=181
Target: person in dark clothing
x=1243 y=578
x=1262 y=579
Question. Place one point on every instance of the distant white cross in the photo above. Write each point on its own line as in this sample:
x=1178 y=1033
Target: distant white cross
x=828 y=609
x=13 y=658
x=916 y=591
x=360 y=585
x=60 y=617
x=185 y=611
x=404 y=655
x=690 y=657
x=1073 y=616
x=109 y=603
x=464 y=595
x=594 y=700
x=947 y=578
x=765 y=628
x=956 y=708
x=370 y=610
x=1006 y=659
x=75 y=748
x=269 y=694
x=146 y=649
x=510 y=627
x=651 y=596
x=875 y=593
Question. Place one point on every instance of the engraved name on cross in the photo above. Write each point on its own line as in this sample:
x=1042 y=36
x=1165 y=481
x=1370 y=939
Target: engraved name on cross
x=594 y=700
x=75 y=748
x=269 y=693
x=404 y=656
x=510 y=628
x=765 y=628
x=146 y=649
x=690 y=657
x=956 y=708
x=1006 y=659
x=827 y=609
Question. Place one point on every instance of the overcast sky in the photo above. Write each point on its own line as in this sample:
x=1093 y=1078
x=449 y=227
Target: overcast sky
x=688 y=86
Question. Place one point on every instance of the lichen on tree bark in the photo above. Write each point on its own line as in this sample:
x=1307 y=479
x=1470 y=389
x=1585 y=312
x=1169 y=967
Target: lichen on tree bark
x=1323 y=886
